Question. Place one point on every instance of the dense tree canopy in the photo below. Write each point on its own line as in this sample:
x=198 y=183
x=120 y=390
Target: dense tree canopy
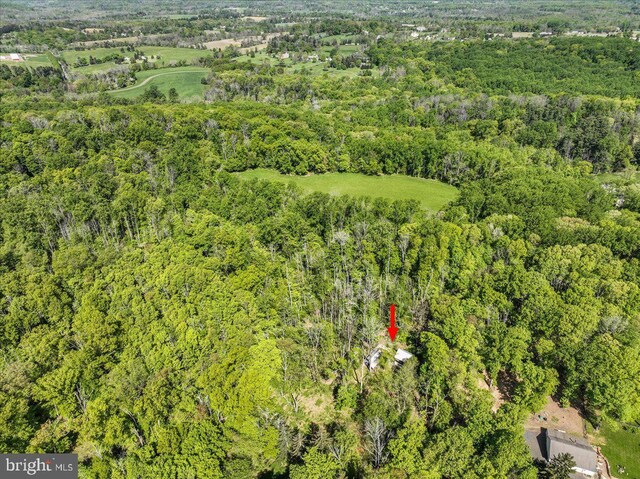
x=163 y=318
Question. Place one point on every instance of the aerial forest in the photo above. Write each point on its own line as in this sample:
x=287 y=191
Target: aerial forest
x=163 y=317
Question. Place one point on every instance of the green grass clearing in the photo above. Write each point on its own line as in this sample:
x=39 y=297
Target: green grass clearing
x=431 y=194
x=343 y=49
x=143 y=75
x=30 y=60
x=186 y=81
x=167 y=56
x=337 y=38
x=258 y=59
x=317 y=68
x=622 y=447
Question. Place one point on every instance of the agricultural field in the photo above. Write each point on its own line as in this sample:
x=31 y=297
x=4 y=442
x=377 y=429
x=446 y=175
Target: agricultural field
x=186 y=81
x=431 y=194
x=167 y=56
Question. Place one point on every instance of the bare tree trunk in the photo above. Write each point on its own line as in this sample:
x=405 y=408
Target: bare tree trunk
x=377 y=436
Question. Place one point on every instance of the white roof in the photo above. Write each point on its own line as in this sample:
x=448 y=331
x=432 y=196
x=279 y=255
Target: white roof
x=373 y=358
x=402 y=355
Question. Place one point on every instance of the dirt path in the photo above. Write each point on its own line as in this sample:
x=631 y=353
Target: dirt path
x=498 y=399
x=146 y=80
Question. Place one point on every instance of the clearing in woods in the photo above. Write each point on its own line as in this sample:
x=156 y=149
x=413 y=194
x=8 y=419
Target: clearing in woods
x=431 y=194
x=159 y=56
x=28 y=59
x=497 y=396
x=185 y=80
x=554 y=416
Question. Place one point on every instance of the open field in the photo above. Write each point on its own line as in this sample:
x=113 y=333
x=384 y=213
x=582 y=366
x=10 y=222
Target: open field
x=167 y=55
x=30 y=60
x=102 y=67
x=621 y=448
x=259 y=47
x=222 y=44
x=432 y=195
x=186 y=81
x=237 y=42
x=258 y=59
x=337 y=38
x=254 y=19
x=133 y=39
x=312 y=68
x=343 y=49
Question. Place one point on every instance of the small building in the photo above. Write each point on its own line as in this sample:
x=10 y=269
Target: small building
x=15 y=57
x=401 y=356
x=559 y=442
x=374 y=358
x=549 y=443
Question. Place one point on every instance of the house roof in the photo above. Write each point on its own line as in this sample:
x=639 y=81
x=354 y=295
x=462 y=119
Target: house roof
x=402 y=355
x=372 y=360
x=584 y=455
x=536 y=442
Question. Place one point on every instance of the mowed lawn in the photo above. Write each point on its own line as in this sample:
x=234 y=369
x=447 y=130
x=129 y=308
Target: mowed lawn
x=622 y=448
x=432 y=195
x=186 y=81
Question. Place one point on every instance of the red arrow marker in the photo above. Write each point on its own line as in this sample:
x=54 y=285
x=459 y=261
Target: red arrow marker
x=392 y=328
